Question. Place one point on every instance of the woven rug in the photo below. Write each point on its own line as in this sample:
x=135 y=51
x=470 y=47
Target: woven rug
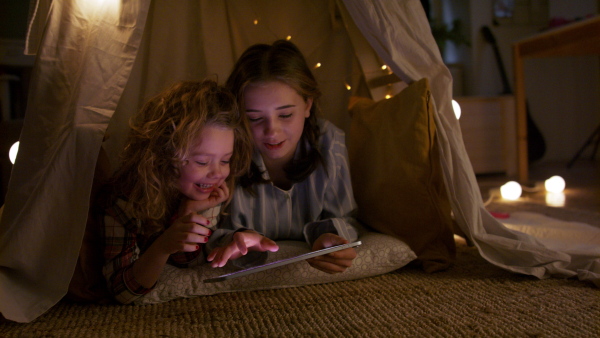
x=473 y=298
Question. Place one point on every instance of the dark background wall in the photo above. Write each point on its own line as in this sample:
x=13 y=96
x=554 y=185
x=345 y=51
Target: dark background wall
x=13 y=18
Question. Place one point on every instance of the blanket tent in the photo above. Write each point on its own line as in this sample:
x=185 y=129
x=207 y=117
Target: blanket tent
x=97 y=61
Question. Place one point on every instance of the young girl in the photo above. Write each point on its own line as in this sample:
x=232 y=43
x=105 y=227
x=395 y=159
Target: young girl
x=185 y=148
x=298 y=187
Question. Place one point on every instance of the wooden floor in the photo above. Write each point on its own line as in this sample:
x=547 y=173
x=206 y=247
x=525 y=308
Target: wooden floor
x=582 y=179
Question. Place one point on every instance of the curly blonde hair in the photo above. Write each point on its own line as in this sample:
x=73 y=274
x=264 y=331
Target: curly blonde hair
x=161 y=135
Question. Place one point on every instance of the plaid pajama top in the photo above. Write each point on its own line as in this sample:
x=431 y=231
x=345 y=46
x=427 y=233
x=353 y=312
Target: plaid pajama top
x=124 y=242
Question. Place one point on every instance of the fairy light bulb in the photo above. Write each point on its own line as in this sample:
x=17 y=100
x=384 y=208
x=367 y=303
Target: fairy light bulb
x=388 y=94
x=348 y=87
x=555 y=184
x=289 y=37
x=384 y=67
x=256 y=21
x=318 y=65
x=12 y=153
x=456 y=108
x=511 y=190
x=112 y=7
x=555 y=199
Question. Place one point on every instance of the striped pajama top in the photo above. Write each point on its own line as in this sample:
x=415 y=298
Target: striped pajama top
x=322 y=203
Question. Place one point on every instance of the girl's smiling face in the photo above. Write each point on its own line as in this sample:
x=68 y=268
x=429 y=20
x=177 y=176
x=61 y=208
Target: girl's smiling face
x=207 y=165
x=276 y=113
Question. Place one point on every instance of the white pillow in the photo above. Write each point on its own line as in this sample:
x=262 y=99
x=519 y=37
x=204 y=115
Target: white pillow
x=377 y=255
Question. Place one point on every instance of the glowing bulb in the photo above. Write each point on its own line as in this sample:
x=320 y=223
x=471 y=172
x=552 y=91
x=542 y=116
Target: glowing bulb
x=256 y=21
x=456 y=108
x=12 y=153
x=318 y=65
x=289 y=37
x=348 y=86
x=511 y=190
x=555 y=199
x=112 y=7
x=388 y=96
x=384 y=67
x=555 y=184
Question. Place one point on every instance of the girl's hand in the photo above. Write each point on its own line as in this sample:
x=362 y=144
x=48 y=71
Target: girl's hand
x=243 y=241
x=334 y=262
x=186 y=234
x=219 y=195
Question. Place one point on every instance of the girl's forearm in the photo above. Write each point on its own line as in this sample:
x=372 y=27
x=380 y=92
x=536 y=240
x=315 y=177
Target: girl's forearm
x=149 y=266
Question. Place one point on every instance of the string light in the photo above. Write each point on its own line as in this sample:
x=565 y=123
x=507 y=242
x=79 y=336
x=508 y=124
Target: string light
x=266 y=26
x=12 y=153
x=386 y=69
x=555 y=199
x=512 y=190
x=390 y=88
x=110 y=6
x=456 y=108
x=555 y=184
x=389 y=95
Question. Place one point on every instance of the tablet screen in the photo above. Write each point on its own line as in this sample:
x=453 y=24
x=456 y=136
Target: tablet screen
x=282 y=262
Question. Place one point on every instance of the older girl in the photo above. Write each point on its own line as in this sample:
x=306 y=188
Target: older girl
x=298 y=187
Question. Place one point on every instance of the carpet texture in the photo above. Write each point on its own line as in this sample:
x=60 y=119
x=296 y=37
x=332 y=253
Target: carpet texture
x=472 y=298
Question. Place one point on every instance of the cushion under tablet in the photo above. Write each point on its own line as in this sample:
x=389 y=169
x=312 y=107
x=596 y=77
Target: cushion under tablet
x=378 y=254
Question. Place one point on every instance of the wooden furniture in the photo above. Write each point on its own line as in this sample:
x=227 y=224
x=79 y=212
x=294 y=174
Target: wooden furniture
x=579 y=38
x=488 y=130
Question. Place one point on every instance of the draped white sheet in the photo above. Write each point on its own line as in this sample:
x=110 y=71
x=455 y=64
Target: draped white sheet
x=95 y=68
x=83 y=64
x=409 y=49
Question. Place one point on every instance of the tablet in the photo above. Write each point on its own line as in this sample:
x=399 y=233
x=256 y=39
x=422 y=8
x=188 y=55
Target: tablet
x=282 y=262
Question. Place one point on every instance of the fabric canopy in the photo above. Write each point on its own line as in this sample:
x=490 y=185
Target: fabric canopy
x=96 y=65
x=82 y=66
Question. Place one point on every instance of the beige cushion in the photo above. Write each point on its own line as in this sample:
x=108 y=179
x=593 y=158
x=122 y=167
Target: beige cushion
x=396 y=173
x=377 y=255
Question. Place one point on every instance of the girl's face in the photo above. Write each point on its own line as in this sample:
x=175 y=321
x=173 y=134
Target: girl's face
x=207 y=166
x=276 y=113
